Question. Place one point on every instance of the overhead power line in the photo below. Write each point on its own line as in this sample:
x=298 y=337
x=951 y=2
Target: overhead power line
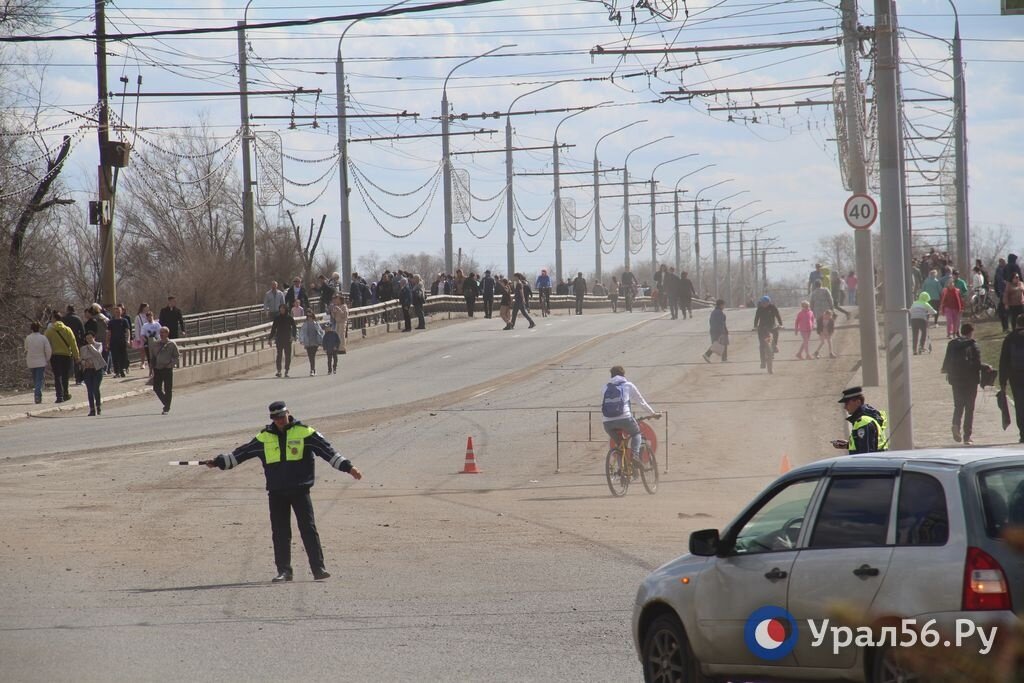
x=393 y=11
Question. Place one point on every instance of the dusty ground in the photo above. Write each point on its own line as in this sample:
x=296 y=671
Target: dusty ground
x=118 y=567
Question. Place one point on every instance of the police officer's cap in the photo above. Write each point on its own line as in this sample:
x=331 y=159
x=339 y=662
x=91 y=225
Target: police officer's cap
x=851 y=393
x=277 y=409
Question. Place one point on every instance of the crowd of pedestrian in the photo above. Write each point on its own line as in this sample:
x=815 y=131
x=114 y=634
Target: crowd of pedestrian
x=100 y=345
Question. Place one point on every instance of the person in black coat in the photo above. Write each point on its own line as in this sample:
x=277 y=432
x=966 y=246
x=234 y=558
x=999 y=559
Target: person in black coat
x=405 y=301
x=282 y=333
x=487 y=287
x=470 y=290
x=171 y=318
x=579 y=289
x=327 y=293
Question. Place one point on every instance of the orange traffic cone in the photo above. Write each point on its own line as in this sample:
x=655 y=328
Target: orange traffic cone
x=470 y=467
x=785 y=465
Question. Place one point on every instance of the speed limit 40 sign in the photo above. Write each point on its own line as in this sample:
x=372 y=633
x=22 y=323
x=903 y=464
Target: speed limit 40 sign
x=860 y=211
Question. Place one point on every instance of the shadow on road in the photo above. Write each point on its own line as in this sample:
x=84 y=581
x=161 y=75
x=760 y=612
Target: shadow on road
x=214 y=586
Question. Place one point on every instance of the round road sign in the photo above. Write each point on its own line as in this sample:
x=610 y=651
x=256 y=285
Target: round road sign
x=860 y=211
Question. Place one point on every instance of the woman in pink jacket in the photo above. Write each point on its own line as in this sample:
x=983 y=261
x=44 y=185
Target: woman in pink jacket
x=804 y=326
x=952 y=305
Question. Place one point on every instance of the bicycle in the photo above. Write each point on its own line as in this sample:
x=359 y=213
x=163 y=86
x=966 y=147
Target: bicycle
x=545 y=301
x=982 y=304
x=620 y=467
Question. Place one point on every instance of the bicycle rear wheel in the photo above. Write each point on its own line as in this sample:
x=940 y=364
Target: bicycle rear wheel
x=618 y=481
x=769 y=356
x=648 y=468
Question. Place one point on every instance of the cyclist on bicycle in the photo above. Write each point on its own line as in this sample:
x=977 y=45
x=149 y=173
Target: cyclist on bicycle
x=617 y=412
x=544 y=290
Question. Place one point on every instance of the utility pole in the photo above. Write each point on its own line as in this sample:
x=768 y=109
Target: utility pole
x=346 y=223
x=510 y=209
x=597 y=220
x=728 y=261
x=625 y=213
x=108 y=281
x=896 y=321
x=908 y=267
x=675 y=212
x=654 y=234
x=743 y=279
x=446 y=172
x=714 y=252
x=963 y=226
x=857 y=174
x=558 y=212
x=248 y=208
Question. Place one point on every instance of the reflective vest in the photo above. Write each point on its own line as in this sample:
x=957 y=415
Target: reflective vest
x=863 y=421
x=295 y=444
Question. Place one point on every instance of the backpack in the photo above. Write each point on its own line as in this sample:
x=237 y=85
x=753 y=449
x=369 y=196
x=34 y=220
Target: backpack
x=613 y=404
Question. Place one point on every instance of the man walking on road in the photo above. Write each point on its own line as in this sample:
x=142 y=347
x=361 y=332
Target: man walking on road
x=579 y=289
x=687 y=292
x=519 y=301
x=867 y=425
x=487 y=287
x=273 y=300
x=171 y=318
x=64 y=352
x=962 y=365
x=165 y=359
x=286 y=448
x=719 y=333
x=1011 y=370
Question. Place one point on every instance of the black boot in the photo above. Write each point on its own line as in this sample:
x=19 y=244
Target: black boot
x=285 y=575
x=321 y=574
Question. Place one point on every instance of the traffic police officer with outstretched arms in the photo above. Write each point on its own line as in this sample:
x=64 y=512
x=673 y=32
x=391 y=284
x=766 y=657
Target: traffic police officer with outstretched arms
x=286 y=447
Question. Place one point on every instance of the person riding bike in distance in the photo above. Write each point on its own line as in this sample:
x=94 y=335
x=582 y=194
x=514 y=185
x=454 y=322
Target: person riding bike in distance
x=544 y=290
x=617 y=412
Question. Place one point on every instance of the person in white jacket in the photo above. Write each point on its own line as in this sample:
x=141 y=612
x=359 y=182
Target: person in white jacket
x=37 y=357
x=617 y=411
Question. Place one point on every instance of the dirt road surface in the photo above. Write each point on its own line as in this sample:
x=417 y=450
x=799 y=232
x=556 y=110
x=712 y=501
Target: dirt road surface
x=118 y=567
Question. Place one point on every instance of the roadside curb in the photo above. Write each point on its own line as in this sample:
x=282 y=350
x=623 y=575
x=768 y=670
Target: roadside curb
x=69 y=406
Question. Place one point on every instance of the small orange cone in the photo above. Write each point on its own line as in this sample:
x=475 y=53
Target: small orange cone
x=785 y=465
x=470 y=467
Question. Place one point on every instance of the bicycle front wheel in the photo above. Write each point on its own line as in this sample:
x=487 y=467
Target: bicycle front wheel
x=648 y=469
x=618 y=480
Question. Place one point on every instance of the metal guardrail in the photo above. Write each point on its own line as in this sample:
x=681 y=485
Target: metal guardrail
x=220 y=345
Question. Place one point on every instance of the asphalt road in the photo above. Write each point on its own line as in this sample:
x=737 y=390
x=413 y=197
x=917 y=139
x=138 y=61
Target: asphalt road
x=118 y=567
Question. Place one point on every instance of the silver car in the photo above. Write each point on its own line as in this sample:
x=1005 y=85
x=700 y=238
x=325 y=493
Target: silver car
x=908 y=537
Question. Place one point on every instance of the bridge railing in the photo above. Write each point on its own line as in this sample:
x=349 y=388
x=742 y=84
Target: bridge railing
x=200 y=348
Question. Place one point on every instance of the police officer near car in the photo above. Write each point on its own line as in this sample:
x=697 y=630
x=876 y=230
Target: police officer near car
x=286 y=448
x=867 y=425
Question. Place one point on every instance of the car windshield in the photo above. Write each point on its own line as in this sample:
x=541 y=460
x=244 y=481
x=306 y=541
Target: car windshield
x=1002 y=498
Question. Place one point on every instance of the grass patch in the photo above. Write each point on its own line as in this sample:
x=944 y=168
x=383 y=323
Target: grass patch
x=990 y=337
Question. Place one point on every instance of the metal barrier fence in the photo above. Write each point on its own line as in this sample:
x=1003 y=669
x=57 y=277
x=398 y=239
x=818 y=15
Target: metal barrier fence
x=602 y=437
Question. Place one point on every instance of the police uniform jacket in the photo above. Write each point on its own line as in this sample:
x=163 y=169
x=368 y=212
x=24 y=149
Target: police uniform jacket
x=287 y=456
x=865 y=432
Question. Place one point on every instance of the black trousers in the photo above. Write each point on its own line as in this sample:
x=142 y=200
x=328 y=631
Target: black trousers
x=1017 y=387
x=163 y=384
x=407 y=317
x=61 y=371
x=920 y=328
x=964 y=395
x=673 y=306
x=421 y=322
x=281 y=505
x=470 y=305
x=284 y=350
x=1013 y=312
x=517 y=308
x=579 y=304
x=119 y=357
x=488 y=305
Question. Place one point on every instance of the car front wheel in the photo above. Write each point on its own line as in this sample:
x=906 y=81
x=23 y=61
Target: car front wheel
x=667 y=656
x=889 y=667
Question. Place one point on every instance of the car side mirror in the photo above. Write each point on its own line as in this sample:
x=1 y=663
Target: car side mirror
x=704 y=543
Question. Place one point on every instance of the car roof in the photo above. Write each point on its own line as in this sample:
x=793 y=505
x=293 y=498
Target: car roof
x=975 y=458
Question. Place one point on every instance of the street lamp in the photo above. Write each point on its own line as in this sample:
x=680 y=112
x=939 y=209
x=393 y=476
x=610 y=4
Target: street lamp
x=346 y=223
x=728 y=243
x=696 y=227
x=675 y=206
x=625 y=193
x=446 y=157
x=509 y=195
x=558 y=190
x=597 y=200
x=654 y=232
x=714 y=236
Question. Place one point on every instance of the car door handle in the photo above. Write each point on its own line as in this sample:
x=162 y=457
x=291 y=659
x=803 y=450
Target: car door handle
x=775 y=574
x=865 y=570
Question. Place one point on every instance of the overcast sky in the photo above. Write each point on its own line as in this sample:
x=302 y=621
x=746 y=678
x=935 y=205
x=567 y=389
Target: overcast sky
x=786 y=160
